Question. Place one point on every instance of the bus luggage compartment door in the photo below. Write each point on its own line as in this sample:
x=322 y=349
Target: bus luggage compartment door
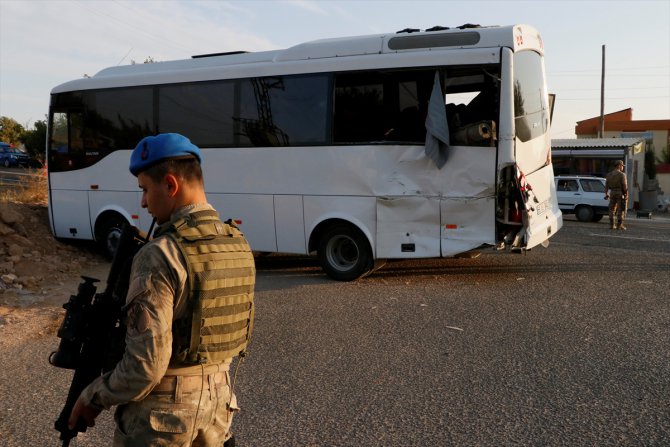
x=71 y=215
x=408 y=227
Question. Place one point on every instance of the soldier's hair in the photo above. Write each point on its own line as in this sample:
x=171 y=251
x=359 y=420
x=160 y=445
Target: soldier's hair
x=187 y=169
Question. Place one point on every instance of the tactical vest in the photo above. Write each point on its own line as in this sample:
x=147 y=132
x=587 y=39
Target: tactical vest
x=221 y=278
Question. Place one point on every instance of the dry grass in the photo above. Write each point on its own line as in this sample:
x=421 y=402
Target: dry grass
x=32 y=189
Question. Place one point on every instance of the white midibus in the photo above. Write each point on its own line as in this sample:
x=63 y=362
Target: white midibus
x=413 y=144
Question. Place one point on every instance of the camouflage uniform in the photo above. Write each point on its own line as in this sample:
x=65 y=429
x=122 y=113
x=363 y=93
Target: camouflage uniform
x=616 y=183
x=158 y=398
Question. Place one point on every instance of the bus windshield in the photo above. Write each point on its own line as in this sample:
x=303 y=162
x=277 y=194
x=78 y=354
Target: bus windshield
x=531 y=114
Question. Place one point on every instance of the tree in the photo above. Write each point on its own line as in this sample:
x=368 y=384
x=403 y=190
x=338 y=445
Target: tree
x=10 y=130
x=665 y=155
x=35 y=140
x=650 y=163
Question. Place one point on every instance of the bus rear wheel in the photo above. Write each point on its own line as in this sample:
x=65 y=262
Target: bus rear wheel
x=344 y=253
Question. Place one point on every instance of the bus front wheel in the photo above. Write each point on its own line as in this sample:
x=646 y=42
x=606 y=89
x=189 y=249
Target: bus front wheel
x=344 y=253
x=109 y=234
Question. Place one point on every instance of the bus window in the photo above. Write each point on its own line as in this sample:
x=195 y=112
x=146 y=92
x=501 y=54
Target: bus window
x=359 y=108
x=66 y=151
x=382 y=106
x=472 y=105
x=283 y=110
x=119 y=118
x=203 y=111
x=59 y=139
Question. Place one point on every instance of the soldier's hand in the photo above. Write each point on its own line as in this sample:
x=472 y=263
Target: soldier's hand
x=86 y=412
x=607 y=196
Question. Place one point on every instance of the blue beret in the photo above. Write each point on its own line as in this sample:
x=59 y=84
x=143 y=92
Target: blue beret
x=151 y=150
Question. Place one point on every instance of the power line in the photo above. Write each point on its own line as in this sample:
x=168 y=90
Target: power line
x=131 y=27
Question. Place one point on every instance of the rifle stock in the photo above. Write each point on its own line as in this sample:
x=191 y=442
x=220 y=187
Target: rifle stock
x=92 y=332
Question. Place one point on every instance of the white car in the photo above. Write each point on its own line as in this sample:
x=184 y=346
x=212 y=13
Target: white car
x=582 y=195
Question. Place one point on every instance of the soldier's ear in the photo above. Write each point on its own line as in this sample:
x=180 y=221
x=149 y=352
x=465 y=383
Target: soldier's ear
x=172 y=185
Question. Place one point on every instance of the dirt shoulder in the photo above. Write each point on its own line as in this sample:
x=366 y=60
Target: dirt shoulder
x=38 y=272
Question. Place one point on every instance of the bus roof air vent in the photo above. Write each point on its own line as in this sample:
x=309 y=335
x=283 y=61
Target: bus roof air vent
x=408 y=30
x=438 y=28
x=228 y=53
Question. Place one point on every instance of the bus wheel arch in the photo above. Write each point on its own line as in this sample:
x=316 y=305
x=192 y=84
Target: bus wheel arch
x=343 y=250
x=107 y=231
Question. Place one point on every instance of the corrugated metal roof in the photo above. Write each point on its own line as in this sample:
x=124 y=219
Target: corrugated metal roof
x=591 y=143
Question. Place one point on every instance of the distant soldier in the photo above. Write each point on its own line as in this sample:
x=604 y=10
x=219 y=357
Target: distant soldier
x=616 y=190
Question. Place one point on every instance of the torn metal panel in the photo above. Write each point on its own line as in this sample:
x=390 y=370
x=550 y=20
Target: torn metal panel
x=406 y=171
x=543 y=217
x=467 y=223
x=470 y=172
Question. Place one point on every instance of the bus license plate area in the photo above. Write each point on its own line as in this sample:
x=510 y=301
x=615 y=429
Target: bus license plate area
x=542 y=208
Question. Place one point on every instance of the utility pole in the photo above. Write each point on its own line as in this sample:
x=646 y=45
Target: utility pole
x=602 y=98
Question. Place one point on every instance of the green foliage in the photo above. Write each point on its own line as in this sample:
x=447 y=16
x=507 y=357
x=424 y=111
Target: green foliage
x=650 y=164
x=10 y=130
x=664 y=155
x=35 y=140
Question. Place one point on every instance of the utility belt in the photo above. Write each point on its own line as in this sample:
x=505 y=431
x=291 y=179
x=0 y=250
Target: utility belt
x=178 y=381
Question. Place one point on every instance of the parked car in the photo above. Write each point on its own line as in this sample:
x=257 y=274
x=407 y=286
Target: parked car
x=11 y=156
x=582 y=195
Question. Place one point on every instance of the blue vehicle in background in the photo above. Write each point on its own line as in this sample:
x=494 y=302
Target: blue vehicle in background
x=11 y=156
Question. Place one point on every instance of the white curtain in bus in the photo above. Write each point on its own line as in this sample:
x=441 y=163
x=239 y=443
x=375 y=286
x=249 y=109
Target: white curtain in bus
x=437 y=130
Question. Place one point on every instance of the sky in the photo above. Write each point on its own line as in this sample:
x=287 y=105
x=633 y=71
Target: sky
x=44 y=43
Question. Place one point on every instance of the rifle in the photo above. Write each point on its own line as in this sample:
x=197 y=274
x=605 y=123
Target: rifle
x=92 y=333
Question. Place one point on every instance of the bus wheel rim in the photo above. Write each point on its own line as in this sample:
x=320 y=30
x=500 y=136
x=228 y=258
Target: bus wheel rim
x=342 y=253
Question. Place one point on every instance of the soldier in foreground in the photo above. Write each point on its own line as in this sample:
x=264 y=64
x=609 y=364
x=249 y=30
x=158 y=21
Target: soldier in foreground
x=189 y=311
x=616 y=190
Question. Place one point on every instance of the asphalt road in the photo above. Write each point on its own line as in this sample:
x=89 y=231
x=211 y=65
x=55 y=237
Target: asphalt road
x=567 y=345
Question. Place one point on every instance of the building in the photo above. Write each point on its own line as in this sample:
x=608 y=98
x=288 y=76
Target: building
x=596 y=156
x=655 y=133
x=621 y=124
